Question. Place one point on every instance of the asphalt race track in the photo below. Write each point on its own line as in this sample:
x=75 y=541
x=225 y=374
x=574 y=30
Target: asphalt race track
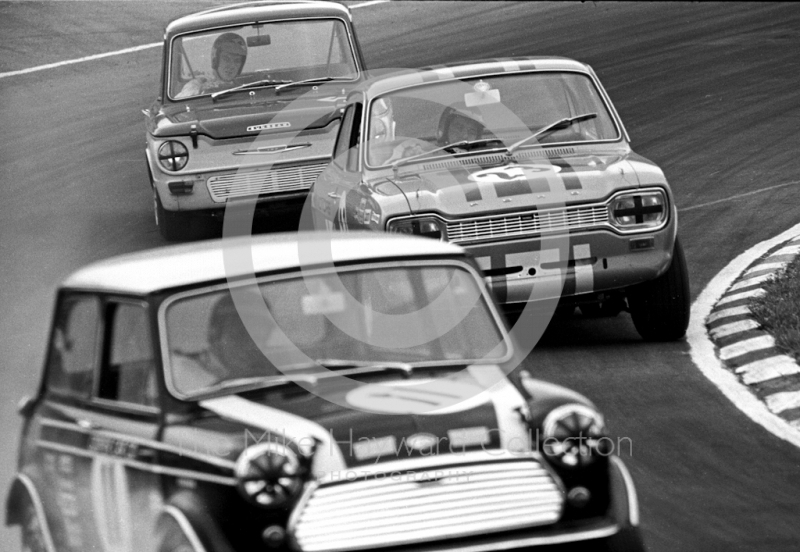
x=708 y=91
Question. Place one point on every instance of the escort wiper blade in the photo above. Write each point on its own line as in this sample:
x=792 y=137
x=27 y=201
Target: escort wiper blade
x=247 y=86
x=460 y=144
x=552 y=127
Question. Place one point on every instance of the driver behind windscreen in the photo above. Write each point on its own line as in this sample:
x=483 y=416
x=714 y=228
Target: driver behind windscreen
x=228 y=54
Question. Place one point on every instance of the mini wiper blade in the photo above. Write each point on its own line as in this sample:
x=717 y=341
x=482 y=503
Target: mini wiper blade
x=360 y=366
x=552 y=127
x=254 y=382
x=247 y=86
x=309 y=81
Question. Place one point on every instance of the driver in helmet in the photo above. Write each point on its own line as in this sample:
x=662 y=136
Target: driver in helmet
x=228 y=54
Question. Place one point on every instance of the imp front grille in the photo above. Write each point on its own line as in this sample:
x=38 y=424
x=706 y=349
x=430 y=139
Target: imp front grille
x=268 y=181
x=527 y=224
x=411 y=507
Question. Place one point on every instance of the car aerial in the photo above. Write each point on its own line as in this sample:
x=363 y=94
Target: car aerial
x=526 y=163
x=335 y=392
x=221 y=127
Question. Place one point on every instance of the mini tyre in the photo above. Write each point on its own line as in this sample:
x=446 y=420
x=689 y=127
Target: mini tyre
x=629 y=539
x=172 y=539
x=660 y=308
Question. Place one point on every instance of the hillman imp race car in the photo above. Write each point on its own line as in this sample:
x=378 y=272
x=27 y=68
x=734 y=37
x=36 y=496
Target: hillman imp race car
x=313 y=393
x=526 y=164
x=218 y=129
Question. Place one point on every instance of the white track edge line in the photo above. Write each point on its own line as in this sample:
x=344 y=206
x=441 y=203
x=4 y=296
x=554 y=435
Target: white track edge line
x=128 y=50
x=702 y=351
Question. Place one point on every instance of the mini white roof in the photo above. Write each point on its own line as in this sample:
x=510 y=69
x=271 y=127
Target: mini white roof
x=195 y=263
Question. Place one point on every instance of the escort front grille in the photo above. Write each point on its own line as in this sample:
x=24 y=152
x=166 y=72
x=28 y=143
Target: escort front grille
x=527 y=224
x=275 y=180
x=402 y=508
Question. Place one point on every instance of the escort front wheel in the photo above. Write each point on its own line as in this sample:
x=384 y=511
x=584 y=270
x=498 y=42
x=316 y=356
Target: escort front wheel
x=660 y=307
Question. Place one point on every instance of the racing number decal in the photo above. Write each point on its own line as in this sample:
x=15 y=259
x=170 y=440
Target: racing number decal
x=111 y=502
x=514 y=180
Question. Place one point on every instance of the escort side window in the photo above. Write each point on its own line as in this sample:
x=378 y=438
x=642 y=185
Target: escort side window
x=128 y=375
x=73 y=351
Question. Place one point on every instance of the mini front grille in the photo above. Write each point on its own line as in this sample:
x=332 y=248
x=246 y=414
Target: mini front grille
x=411 y=507
x=527 y=224
x=275 y=180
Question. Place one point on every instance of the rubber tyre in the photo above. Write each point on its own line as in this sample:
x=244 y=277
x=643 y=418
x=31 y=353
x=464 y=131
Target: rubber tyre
x=660 y=308
x=629 y=539
x=32 y=536
x=173 y=540
x=172 y=225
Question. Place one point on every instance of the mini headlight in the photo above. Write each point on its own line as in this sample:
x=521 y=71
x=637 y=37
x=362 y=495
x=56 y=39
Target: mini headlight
x=428 y=227
x=573 y=435
x=173 y=155
x=269 y=474
x=638 y=210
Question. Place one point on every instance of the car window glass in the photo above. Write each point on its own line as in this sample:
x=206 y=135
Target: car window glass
x=361 y=315
x=73 y=349
x=129 y=374
x=423 y=117
x=280 y=51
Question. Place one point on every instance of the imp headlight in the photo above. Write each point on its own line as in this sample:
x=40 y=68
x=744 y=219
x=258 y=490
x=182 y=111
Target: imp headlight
x=638 y=210
x=428 y=227
x=270 y=474
x=173 y=155
x=573 y=435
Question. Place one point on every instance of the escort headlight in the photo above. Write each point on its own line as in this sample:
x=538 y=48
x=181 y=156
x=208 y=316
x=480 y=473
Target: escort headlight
x=269 y=475
x=377 y=130
x=428 y=227
x=573 y=435
x=173 y=155
x=381 y=121
x=638 y=210
x=379 y=107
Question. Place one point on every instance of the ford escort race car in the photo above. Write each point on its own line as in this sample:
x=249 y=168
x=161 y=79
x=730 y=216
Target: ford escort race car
x=249 y=105
x=526 y=164
x=313 y=393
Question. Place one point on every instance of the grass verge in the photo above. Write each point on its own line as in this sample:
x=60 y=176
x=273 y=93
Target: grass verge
x=778 y=310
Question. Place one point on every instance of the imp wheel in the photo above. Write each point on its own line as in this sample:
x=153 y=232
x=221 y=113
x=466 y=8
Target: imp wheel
x=172 y=225
x=660 y=307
